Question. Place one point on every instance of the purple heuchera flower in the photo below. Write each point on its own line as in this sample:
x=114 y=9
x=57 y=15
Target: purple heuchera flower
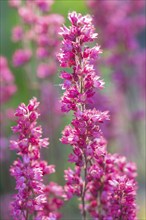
x=98 y=177
x=29 y=169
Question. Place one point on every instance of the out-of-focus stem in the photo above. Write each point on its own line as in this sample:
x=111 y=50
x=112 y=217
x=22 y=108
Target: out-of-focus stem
x=99 y=204
x=84 y=217
x=32 y=79
x=27 y=215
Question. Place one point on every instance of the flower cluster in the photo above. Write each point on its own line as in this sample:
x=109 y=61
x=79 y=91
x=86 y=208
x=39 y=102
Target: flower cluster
x=103 y=102
x=38 y=33
x=120 y=23
x=46 y=29
x=85 y=136
x=7 y=85
x=75 y=53
x=121 y=16
x=54 y=194
x=111 y=188
x=44 y=6
x=29 y=169
x=7 y=90
x=98 y=177
x=21 y=57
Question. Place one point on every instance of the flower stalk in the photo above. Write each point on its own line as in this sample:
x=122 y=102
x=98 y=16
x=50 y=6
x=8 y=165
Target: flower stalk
x=31 y=200
x=97 y=178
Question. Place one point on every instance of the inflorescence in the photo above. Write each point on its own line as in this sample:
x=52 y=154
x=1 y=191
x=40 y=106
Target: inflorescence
x=105 y=183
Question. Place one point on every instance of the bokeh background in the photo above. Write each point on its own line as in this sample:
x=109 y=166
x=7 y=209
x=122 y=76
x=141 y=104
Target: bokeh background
x=126 y=130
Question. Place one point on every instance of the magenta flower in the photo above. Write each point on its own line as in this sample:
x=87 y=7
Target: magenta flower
x=7 y=85
x=97 y=175
x=29 y=169
x=27 y=15
x=41 y=31
x=124 y=16
x=45 y=70
x=112 y=188
x=44 y=5
x=120 y=23
x=7 y=90
x=21 y=57
x=75 y=53
x=47 y=28
x=17 y=33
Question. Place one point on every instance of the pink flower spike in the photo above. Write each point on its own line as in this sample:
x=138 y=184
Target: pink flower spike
x=102 y=181
x=28 y=170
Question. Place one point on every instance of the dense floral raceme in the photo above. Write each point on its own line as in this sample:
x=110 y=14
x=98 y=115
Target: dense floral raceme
x=112 y=187
x=98 y=177
x=33 y=199
x=75 y=53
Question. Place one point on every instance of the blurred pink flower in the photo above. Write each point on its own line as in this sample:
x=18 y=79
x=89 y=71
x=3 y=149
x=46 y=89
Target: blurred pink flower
x=45 y=70
x=7 y=84
x=27 y=15
x=5 y=206
x=44 y=5
x=15 y=3
x=4 y=149
x=120 y=24
x=49 y=107
x=21 y=57
x=17 y=34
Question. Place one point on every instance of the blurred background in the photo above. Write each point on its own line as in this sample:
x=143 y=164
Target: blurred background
x=32 y=69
